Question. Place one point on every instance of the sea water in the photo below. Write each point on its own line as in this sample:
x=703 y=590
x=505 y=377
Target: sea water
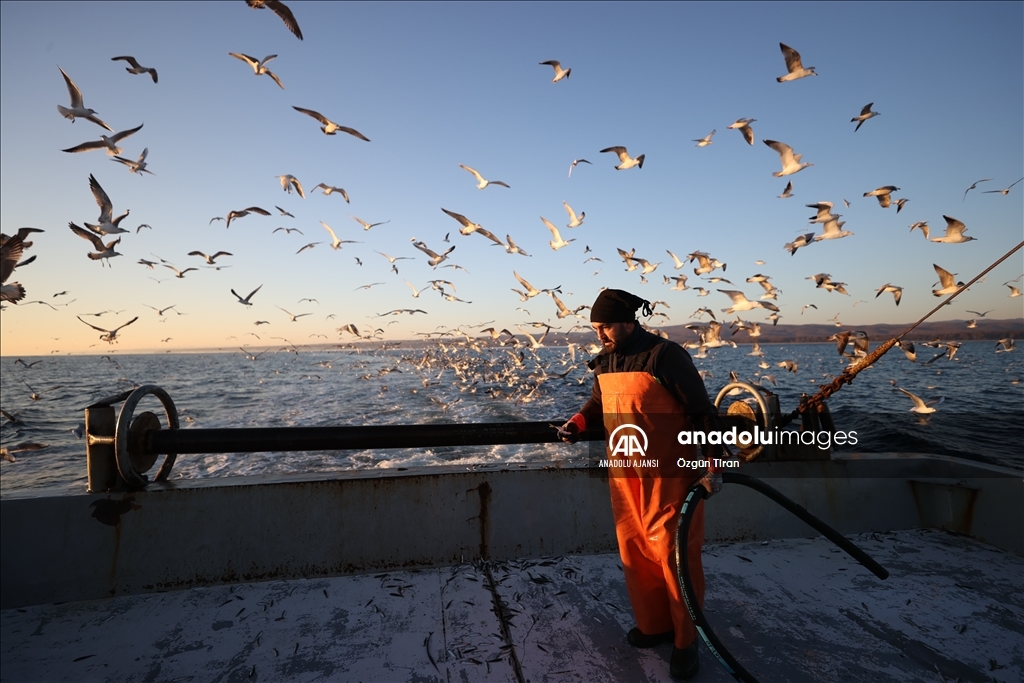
x=980 y=416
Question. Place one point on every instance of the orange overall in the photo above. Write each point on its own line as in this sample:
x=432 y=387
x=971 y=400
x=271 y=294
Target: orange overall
x=646 y=503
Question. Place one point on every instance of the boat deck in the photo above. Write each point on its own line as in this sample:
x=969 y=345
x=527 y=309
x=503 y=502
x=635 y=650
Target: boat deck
x=794 y=609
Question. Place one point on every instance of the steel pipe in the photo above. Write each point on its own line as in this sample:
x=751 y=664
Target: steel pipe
x=264 y=439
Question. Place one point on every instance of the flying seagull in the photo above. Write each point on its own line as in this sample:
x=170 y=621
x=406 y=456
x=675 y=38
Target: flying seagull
x=865 y=114
x=109 y=336
x=246 y=301
x=210 y=259
x=135 y=67
x=330 y=189
x=883 y=194
x=138 y=166
x=103 y=251
x=281 y=10
x=743 y=126
x=108 y=143
x=574 y=220
x=288 y=182
x=330 y=127
x=482 y=182
x=793 y=65
x=10 y=254
x=946 y=280
x=706 y=140
x=790 y=162
x=259 y=66
x=435 y=258
x=560 y=73
x=920 y=406
x=108 y=225
x=1003 y=192
x=367 y=226
x=625 y=161
x=78 y=108
x=897 y=292
x=954 y=232
x=335 y=242
x=973 y=185
x=573 y=164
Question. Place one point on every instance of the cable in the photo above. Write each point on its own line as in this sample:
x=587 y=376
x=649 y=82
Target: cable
x=697 y=493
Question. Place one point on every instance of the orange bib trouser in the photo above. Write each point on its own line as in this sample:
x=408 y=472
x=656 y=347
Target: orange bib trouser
x=646 y=502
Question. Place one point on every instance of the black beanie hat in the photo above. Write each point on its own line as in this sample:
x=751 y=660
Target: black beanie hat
x=617 y=306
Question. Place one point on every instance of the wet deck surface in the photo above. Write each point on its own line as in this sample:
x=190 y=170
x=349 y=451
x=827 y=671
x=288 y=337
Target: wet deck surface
x=795 y=610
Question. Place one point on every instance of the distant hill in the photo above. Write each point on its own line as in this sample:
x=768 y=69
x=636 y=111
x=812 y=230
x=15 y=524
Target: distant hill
x=948 y=330
x=805 y=334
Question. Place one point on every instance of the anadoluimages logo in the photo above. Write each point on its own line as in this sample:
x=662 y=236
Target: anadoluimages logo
x=628 y=440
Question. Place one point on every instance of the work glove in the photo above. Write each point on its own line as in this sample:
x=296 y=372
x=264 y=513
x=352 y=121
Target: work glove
x=712 y=481
x=572 y=430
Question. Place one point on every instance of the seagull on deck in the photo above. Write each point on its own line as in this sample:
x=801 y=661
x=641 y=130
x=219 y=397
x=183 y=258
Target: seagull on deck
x=897 y=292
x=946 y=280
x=920 y=406
x=883 y=194
x=557 y=242
x=138 y=166
x=1003 y=192
x=954 y=232
x=288 y=182
x=790 y=162
x=743 y=126
x=330 y=189
x=281 y=10
x=105 y=142
x=135 y=67
x=865 y=114
x=103 y=251
x=482 y=182
x=794 y=66
x=330 y=127
x=706 y=140
x=259 y=66
x=574 y=222
x=560 y=73
x=246 y=301
x=109 y=336
x=577 y=161
x=78 y=108
x=625 y=161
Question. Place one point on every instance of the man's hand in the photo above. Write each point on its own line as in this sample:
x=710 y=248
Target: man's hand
x=569 y=432
x=572 y=430
x=712 y=481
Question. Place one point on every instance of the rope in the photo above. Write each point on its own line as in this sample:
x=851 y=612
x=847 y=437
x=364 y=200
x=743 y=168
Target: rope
x=850 y=372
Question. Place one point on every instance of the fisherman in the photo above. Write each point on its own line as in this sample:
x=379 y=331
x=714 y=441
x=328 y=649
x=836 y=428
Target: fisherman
x=646 y=390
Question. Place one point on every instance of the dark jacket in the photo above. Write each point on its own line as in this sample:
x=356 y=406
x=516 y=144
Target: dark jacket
x=670 y=365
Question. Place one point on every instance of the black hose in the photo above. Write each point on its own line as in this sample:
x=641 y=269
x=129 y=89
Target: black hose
x=697 y=493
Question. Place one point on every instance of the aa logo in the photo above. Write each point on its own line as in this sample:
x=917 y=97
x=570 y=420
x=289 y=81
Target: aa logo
x=628 y=440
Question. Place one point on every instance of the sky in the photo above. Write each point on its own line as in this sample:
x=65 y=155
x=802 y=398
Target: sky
x=434 y=86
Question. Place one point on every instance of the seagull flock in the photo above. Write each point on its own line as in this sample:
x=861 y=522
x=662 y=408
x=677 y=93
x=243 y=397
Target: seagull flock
x=104 y=236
